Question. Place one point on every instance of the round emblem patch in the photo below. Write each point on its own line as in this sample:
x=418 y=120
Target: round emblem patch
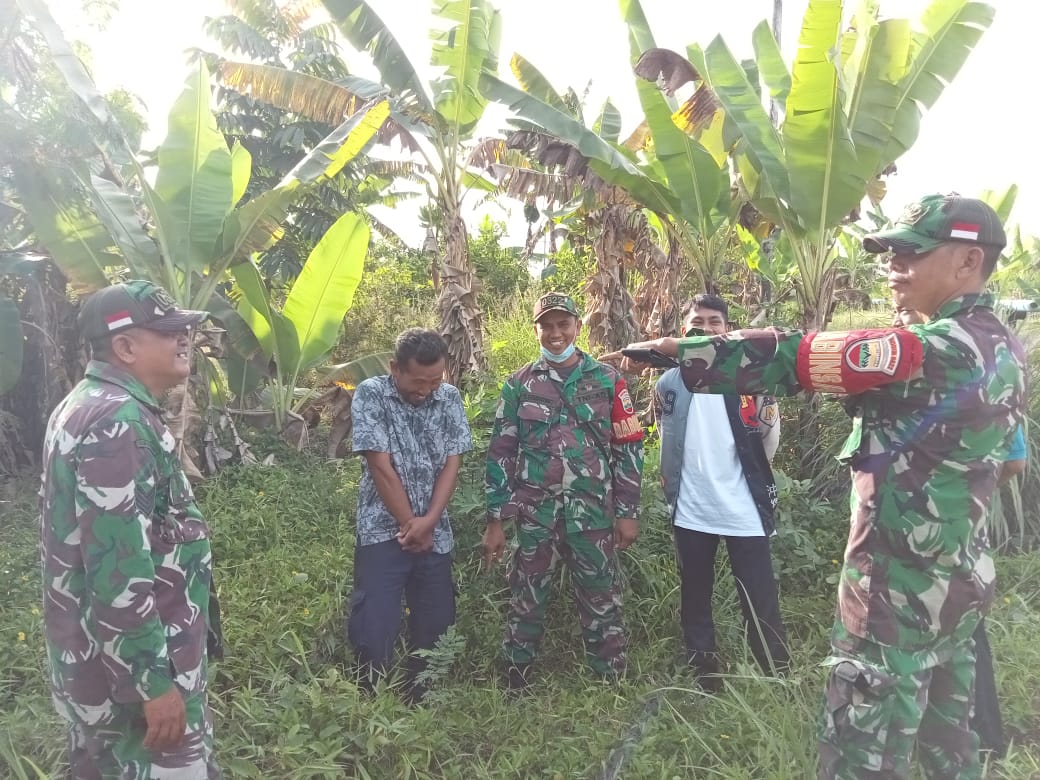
x=626 y=402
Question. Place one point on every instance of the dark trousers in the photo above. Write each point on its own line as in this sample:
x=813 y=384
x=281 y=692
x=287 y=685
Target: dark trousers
x=383 y=573
x=985 y=719
x=752 y=568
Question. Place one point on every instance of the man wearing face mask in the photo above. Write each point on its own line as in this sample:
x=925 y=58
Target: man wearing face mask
x=565 y=463
x=411 y=429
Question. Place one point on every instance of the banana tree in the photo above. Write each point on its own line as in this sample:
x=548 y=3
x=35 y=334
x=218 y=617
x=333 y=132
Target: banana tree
x=442 y=116
x=664 y=168
x=300 y=336
x=852 y=101
x=200 y=225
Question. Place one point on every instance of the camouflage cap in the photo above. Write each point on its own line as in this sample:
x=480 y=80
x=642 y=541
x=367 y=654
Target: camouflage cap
x=936 y=219
x=555 y=301
x=134 y=304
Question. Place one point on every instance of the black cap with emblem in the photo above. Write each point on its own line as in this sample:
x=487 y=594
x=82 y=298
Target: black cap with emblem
x=134 y=304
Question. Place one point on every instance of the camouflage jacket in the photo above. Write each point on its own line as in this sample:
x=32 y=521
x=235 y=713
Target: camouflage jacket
x=924 y=454
x=539 y=452
x=126 y=552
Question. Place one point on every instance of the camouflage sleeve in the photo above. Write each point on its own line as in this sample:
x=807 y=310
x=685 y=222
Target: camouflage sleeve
x=116 y=475
x=743 y=362
x=626 y=449
x=500 y=470
x=782 y=362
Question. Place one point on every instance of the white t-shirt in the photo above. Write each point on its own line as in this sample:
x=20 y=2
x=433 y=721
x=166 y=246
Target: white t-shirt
x=714 y=497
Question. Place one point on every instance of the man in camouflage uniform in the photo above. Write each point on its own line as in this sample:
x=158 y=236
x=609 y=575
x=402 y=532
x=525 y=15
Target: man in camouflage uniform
x=126 y=552
x=565 y=461
x=940 y=402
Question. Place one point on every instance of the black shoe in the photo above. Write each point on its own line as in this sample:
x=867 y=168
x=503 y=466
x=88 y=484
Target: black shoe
x=518 y=679
x=706 y=669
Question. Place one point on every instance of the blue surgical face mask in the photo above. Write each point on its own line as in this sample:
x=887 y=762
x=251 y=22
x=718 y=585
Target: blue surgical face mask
x=563 y=356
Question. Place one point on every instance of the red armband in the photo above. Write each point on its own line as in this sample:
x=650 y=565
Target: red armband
x=624 y=424
x=857 y=360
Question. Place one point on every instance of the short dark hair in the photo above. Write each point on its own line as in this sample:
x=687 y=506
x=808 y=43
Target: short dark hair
x=422 y=345
x=707 y=301
x=990 y=255
x=101 y=349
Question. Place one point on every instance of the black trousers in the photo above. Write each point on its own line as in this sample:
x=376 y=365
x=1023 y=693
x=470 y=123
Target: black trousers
x=752 y=568
x=383 y=573
x=985 y=719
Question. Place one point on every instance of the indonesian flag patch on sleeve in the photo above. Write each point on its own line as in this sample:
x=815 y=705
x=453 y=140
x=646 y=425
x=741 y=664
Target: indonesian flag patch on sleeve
x=857 y=360
x=625 y=425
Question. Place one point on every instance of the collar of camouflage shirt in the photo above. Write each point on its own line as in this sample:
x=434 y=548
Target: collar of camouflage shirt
x=106 y=372
x=544 y=366
x=983 y=300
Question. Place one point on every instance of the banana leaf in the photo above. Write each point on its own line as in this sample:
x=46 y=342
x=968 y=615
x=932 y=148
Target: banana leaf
x=762 y=148
x=349 y=375
x=241 y=171
x=272 y=329
x=823 y=173
x=115 y=208
x=467 y=47
x=771 y=65
x=194 y=180
x=322 y=294
x=608 y=124
x=534 y=83
x=366 y=31
x=301 y=93
x=65 y=224
x=946 y=34
x=605 y=160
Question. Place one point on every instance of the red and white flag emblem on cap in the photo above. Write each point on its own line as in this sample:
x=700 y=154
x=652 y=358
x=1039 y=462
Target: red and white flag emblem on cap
x=119 y=319
x=964 y=230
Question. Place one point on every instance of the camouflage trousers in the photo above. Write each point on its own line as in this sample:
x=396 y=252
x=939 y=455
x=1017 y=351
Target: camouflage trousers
x=880 y=701
x=594 y=572
x=113 y=750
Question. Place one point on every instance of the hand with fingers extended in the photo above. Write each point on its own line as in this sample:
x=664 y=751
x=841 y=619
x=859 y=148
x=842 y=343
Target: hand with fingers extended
x=166 y=720
x=494 y=543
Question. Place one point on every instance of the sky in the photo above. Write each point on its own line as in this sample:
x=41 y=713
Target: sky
x=978 y=136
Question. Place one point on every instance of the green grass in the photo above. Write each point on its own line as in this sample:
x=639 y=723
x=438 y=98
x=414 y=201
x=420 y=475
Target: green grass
x=287 y=705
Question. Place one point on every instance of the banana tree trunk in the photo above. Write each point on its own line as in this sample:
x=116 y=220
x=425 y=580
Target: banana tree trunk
x=51 y=365
x=461 y=320
x=609 y=307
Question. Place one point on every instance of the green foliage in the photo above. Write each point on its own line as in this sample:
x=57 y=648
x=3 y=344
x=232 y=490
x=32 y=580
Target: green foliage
x=395 y=293
x=570 y=267
x=287 y=703
x=502 y=272
x=303 y=333
x=811 y=533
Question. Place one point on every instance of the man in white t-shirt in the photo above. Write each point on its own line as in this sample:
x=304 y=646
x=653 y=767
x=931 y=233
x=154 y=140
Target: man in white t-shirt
x=715 y=455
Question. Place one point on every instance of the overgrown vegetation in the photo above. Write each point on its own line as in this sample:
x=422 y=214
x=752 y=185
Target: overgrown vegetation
x=287 y=704
x=703 y=194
